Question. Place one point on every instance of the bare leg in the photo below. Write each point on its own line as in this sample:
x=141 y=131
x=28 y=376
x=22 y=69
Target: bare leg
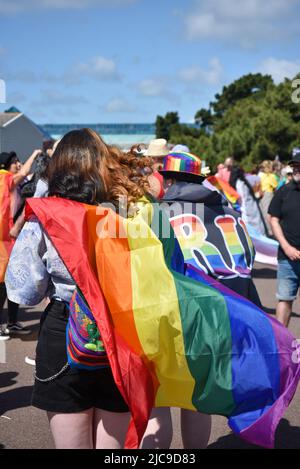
x=110 y=429
x=195 y=429
x=284 y=311
x=159 y=432
x=72 y=431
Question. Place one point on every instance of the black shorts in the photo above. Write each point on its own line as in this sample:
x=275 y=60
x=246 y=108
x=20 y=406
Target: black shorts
x=73 y=390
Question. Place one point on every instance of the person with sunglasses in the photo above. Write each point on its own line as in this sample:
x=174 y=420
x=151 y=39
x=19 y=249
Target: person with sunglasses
x=285 y=223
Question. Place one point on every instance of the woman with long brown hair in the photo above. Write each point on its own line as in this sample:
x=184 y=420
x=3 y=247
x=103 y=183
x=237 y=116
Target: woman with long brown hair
x=84 y=407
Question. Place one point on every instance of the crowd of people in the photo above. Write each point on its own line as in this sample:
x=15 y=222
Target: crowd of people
x=268 y=202
x=85 y=408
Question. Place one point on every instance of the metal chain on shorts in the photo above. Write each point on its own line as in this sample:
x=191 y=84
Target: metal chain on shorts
x=64 y=368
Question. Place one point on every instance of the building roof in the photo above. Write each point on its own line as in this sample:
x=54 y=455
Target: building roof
x=6 y=117
x=12 y=109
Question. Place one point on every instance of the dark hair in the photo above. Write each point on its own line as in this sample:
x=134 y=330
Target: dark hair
x=77 y=187
x=239 y=173
x=73 y=171
x=11 y=159
x=236 y=173
x=84 y=168
x=13 y=154
x=41 y=166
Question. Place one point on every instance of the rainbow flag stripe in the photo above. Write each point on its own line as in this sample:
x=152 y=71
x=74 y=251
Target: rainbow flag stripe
x=229 y=192
x=171 y=340
x=183 y=162
x=6 y=221
x=211 y=255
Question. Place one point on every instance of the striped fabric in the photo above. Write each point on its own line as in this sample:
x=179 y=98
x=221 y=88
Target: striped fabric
x=84 y=345
x=171 y=340
x=6 y=221
x=182 y=162
x=229 y=192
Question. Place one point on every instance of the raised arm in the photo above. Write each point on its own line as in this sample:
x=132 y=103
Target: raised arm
x=25 y=170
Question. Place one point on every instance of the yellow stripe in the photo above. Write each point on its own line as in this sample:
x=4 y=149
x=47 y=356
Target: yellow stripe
x=177 y=164
x=157 y=315
x=231 y=198
x=193 y=157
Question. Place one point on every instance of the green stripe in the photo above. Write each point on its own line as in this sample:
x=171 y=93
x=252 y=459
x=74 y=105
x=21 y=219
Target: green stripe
x=208 y=354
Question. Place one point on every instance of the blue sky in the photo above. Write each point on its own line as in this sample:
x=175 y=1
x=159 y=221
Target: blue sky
x=89 y=61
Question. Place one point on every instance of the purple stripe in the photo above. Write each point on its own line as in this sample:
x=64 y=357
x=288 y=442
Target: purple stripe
x=269 y=421
x=80 y=343
x=263 y=430
x=289 y=379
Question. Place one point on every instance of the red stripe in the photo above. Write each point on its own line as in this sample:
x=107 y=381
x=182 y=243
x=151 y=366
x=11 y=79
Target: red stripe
x=66 y=223
x=72 y=353
x=6 y=222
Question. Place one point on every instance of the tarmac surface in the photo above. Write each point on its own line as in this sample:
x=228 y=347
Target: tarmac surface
x=25 y=427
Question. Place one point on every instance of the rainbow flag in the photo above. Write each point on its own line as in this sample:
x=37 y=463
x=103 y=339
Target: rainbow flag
x=171 y=340
x=265 y=248
x=6 y=221
x=229 y=192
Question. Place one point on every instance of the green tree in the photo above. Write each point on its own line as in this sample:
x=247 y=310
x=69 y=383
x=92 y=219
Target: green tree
x=248 y=85
x=163 y=124
x=204 y=118
x=252 y=119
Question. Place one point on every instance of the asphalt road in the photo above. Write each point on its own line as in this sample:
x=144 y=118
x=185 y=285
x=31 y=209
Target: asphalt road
x=22 y=426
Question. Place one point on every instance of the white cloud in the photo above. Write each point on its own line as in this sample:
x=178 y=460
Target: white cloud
x=279 y=69
x=119 y=105
x=31 y=76
x=152 y=87
x=18 y=6
x=159 y=87
x=247 y=23
x=50 y=97
x=97 y=67
x=196 y=74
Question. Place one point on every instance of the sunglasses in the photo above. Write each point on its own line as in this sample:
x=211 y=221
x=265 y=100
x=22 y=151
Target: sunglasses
x=296 y=169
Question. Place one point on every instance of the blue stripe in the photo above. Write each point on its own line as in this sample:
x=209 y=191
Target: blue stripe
x=255 y=358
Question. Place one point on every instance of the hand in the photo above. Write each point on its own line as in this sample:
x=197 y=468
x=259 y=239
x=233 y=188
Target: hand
x=36 y=153
x=205 y=171
x=292 y=253
x=14 y=232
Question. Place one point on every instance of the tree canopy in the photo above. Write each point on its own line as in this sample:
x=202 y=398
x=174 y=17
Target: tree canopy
x=252 y=119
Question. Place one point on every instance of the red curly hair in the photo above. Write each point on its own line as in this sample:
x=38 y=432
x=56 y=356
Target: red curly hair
x=124 y=175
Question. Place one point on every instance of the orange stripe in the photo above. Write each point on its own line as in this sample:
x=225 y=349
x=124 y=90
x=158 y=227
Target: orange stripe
x=66 y=223
x=87 y=363
x=6 y=243
x=2 y=193
x=115 y=256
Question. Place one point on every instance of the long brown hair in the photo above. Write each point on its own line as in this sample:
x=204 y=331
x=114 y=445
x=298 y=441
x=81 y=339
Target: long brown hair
x=100 y=171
